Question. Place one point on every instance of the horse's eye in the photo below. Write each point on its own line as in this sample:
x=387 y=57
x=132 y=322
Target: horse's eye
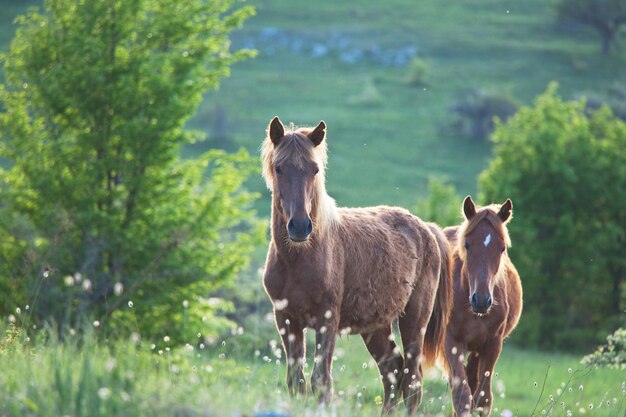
x=503 y=249
x=278 y=170
x=316 y=171
x=466 y=246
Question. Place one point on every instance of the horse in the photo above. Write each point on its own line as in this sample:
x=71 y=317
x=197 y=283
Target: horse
x=346 y=271
x=487 y=303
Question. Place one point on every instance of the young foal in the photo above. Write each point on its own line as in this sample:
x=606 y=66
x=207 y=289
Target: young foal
x=348 y=270
x=487 y=303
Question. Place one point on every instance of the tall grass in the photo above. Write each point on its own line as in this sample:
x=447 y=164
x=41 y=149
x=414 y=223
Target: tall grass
x=84 y=375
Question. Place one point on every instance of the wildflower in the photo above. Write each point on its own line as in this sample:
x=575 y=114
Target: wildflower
x=104 y=393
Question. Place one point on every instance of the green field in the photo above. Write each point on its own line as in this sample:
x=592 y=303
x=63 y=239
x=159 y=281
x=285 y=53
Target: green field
x=124 y=378
x=386 y=138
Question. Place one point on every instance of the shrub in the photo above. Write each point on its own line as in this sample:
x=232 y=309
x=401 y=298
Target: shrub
x=475 y=111
x=418 y=72
x=442 y=204
x=612 y=354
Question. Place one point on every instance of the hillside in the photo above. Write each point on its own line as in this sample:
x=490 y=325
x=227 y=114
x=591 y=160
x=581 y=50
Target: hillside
x=348 y=63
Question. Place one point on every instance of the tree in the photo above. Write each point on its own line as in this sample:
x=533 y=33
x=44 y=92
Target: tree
x=565 y=172
x=96 y=209
x=605 y=16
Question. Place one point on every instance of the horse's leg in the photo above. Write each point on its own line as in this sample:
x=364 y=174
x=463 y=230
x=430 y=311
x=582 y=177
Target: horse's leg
x=292 y=335
x=472 y=370
x=321 y=377
x=389 y=360
x=483 y=397
x=412 y=329
x=461 y=395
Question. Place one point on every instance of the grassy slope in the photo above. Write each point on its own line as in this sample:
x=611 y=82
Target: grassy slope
x=124 y=378
x=383 y=152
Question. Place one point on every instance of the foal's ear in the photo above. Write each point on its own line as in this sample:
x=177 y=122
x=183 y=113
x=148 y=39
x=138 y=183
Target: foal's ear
x=318 y=134
x=276 y=130
x=469 y=208
x=506 y=210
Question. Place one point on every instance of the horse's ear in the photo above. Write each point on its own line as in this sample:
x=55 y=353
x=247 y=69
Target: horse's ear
x=506 y=210
x=276 y=130
x=469 y=208
x=318 y=134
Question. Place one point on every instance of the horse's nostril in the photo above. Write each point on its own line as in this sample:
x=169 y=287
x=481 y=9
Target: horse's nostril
x=474 y=299
x=489 y=301
x=309 y=227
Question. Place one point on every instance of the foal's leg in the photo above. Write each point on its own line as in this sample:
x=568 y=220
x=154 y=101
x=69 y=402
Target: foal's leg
x=321 y=378
x=292 y=335
x=461 y=395
x=483 y=397
x=389 y=360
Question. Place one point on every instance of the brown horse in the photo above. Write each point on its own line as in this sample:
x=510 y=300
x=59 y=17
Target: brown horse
x=487 y=303
x=349 y=270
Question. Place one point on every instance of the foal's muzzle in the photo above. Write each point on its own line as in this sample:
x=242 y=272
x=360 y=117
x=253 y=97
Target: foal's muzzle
x=299 y=230
x=480 y=302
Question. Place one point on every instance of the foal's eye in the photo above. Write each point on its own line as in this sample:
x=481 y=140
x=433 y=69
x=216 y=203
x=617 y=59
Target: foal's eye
x=503 y=249
x=278 y=170
x=466 y=246
x=316 y=171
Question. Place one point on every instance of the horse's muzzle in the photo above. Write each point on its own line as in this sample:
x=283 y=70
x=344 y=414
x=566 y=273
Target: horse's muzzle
x=299 y=230
x=480 y=302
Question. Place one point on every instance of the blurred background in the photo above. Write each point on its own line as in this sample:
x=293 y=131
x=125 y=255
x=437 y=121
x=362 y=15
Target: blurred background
x=136 y=200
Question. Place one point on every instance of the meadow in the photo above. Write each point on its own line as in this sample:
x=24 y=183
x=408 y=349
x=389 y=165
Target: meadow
x=348 y=64
x=86 y=377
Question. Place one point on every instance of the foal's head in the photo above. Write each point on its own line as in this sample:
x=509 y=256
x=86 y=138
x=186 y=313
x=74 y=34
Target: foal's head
x=482 y=241
x=293 y=167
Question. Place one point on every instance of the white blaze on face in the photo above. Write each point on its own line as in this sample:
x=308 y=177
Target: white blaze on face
x=487 y=240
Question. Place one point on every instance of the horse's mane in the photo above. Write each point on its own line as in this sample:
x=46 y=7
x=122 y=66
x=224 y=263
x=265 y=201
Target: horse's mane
x=297 y=148
x=489 y=213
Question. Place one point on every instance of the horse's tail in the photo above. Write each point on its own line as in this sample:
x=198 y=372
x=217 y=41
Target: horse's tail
x=435 y=332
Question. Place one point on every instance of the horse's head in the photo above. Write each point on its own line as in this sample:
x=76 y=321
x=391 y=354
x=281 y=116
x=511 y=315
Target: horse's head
x=483 y=239
x=291 y=169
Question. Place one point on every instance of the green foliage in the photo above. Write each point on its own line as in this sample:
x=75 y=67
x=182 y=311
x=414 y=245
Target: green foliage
x=417 y=73
x=612 y=354
x=96 y=209
x=604 y=16
x=476 y=110
x=441 y=205
x=564 y=171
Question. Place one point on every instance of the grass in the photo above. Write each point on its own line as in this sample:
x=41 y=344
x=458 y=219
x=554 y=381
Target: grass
x=387 y=137
x=83 y=376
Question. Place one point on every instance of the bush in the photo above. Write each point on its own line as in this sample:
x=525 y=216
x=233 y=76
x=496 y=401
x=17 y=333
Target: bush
x=418 y=72
x=612 y=354
x=442 y=204
x=97 y=210
x=563 y=171
x=615 y=98
x=475 y=111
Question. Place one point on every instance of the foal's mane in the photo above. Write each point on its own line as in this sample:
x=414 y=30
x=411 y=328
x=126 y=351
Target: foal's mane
x=489 y=213
x=297 y=148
